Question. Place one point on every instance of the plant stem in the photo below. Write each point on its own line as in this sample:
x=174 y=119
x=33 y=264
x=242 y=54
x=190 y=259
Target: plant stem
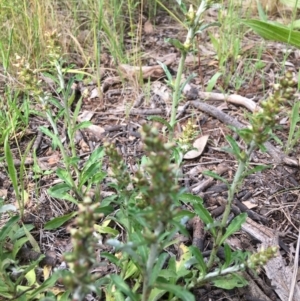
x=188 y=41
x=237 y=179
x=154 y=251
x=210 y=276
x=176 y=96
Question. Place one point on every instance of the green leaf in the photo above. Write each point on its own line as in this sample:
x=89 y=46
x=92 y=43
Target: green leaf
x=182 y=6
x=228 y=256
x=161 y=120
x=82 y=125
x=49 y=283
x=212 y=82
x=190 y=198
x=234 y=226
x=229 y=281
x=215 y=42
x=58 y=221
x=261 y=13
x=131 y=270
x=158 y=267
x=294 y=119
x=106 y=230
x=177 y=290
x=65 y=176
x=279 y=33
x=200 y=260
x=188 y=79
x=177 y=44
x=11 y=167
x=156 y=294
x=88 y=173
x=234 y=145
x=205 y=26
x=97 y=154
x=178 y=156
x=123 y=286
x=166 y=70
x=55 y=139
x=32 y=240
x=60 y=191
x=4 y=231
x=215 y=176
x=112 y=258
x=106 y=210
x=255 y=169
x=97 y=178
x=18 y=245
x=31 y=277
x=205 y=216
x=181 y=263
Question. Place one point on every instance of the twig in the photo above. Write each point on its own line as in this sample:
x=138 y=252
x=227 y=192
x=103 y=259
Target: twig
x=277 y=156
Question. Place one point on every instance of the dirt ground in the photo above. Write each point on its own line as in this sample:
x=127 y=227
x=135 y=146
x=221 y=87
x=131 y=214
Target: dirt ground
x=121 y=105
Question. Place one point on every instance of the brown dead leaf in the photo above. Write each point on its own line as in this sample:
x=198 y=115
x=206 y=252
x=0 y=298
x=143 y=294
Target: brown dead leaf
x=131 y=72
x=3 y=193
x=85 y=116
x=148 y=27
x=95 y=131
x=249 y=204
x=199 y=146
x=154 y=72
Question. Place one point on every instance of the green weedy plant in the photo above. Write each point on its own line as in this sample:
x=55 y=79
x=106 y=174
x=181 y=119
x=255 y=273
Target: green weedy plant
x=294 y=132
x=150 y=214
x=195 y=26
x=262 y=123
x=82 y=259
x=151 y=218
x=275 y=31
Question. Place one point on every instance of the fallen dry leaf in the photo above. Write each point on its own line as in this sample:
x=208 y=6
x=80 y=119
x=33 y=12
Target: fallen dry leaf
x=148 y=27
x=199 y=146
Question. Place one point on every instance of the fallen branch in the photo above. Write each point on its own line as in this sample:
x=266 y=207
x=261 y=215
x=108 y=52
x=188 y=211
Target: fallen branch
x=277 y=156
